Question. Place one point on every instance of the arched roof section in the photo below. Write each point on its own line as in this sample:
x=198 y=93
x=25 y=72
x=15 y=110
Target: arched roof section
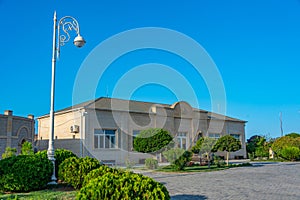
x=182 y=109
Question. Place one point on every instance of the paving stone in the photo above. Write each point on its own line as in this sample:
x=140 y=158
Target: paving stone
x=262 y=181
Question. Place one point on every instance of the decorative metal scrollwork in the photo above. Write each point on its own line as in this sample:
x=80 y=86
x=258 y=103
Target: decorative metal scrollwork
x=67 y=24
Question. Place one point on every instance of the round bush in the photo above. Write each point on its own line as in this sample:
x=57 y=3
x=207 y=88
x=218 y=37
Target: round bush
x=24 y=173
x=291 y=153
x=60 y=155
x=173 y=154
x=73 y=170
x=125 y=185
x=182 y=161
x=100 y=172
x=151 y=140
x=151 y=163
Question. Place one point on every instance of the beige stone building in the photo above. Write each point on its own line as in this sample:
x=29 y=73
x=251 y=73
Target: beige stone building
x=15 y=130
x=105 y=128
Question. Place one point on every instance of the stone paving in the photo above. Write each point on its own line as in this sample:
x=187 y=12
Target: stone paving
x=262 y=181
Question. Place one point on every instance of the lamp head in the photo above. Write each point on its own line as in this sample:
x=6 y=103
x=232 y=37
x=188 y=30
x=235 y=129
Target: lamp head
x=79 y=41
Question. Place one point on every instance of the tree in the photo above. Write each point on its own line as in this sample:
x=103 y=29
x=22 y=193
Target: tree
x=228 y=144
x=252 y=144
x=291 y=153
x=196 y=148
x=27 y=148
x=9 y=152
x=152 y=140
x=285 y=142
x=206 y=147
x=293 y=135
x=258 y=146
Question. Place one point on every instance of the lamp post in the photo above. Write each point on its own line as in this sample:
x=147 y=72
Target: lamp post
x=67 y=24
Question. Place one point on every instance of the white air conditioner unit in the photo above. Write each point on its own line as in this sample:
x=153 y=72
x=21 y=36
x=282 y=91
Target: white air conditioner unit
x=74 y=129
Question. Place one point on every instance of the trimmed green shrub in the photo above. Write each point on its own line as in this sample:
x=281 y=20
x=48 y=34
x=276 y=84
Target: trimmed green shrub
x=151 y=140
x=27 y=148
x=151 y=163
x=173 y=154
x=291 y=153
x=24 y=173
x=100 y=172
x=196 y=148
x=183 y=160
x=73 y=170
x=9 y=152
x=125 y=185
x=284 y=142
x=60 y=155
x=217 y=160
x=293 y=135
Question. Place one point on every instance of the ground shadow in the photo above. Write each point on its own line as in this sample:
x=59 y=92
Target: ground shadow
x=188 y=197
x=261 y=164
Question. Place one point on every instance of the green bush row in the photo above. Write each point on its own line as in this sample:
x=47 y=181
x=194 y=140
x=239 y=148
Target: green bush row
x=122 y=185
x=97 y=181
x=24 y=173
x=73 y=170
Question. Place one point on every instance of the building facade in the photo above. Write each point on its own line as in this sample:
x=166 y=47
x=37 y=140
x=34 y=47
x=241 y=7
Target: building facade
x=105 y=128
x=15 y=130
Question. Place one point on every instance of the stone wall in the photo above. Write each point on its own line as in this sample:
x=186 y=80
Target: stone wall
x=15 y=130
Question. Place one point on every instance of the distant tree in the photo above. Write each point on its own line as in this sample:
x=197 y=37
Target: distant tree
x=285 y=142
x=206 y=147
x=9 y=152
x=258 y=146
x=27 y=148
x=152 y=140
x=291 y=153
x=228 y=144
x=196 y=148
x=293 y=135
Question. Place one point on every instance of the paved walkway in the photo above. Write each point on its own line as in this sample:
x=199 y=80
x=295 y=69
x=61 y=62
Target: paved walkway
x=261 y=181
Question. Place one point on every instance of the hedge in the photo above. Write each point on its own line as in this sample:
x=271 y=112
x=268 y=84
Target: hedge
x=125 y=185
x=73 y=170
x=24 y=173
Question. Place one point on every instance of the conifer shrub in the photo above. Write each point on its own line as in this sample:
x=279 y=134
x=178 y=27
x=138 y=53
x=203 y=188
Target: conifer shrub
x=291 y=153
x=73 y=170
x=102 y=170
x=151 y=163
x=9 y=152
x=183 y=160
x=24 y=173
x=125 y=185
x=152 y=140
x=173 y=154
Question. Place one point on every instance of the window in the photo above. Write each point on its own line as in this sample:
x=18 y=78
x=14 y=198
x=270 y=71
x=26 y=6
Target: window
x=236 y=136
x=104 y=139
x=214 y=135
x=181 y=140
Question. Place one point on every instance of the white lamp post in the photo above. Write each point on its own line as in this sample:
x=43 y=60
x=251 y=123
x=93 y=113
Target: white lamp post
x=67 y=24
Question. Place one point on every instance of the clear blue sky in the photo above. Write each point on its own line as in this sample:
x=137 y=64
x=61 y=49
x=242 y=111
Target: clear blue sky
x=255 y=45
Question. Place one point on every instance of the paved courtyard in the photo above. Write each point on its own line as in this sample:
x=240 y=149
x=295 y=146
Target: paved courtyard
x=261 y=181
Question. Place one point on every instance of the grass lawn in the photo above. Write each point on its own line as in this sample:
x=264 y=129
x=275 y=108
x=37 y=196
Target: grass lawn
x=61 y=192
x=198 y=168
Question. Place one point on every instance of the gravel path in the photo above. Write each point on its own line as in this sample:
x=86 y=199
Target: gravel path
x=261 y=181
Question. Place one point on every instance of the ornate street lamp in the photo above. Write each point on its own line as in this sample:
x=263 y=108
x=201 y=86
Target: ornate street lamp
x=67 y=24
